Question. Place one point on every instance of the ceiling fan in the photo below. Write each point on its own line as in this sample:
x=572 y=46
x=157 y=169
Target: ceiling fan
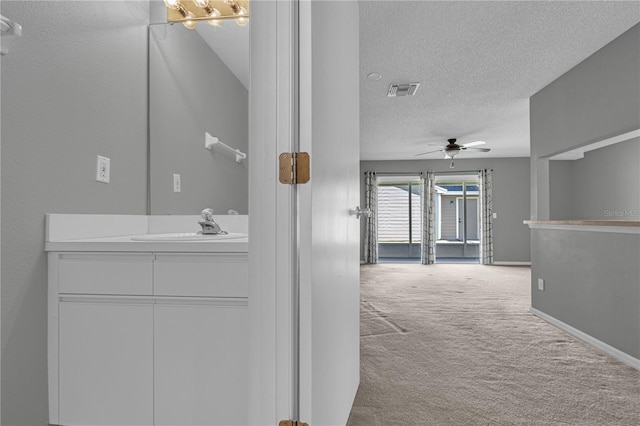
x=452 y=149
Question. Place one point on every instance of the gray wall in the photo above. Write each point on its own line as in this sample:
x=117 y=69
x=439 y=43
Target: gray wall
x=561 y=190
x=192 y=92
x=598 y=98
x=591 y=283
x=73 y=86
x=510 y=197
x=594 y=283
x=580 y=190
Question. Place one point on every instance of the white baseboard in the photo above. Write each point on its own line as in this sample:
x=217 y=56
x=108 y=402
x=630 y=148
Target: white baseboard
x=598 y=344
x=510 y=263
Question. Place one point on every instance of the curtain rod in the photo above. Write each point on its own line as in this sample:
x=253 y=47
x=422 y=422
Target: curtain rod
x=397 y=173
x=448 y=172
x=459 y=172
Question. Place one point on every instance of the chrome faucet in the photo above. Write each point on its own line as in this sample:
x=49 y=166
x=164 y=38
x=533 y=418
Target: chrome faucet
x=209 y=226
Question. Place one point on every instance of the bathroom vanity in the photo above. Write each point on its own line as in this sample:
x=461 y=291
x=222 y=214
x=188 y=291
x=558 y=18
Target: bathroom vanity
x=146 y=332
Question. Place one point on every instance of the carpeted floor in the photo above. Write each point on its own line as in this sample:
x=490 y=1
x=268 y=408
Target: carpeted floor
x=456 y=345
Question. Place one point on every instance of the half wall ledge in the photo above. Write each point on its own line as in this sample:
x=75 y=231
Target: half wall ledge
x=612 y=226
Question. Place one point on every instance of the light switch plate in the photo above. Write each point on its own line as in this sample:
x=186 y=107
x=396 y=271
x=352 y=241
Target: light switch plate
x=103 y=169
x=540 y=284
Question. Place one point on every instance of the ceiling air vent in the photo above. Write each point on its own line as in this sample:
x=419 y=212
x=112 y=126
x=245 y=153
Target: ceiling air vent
x=398 y=90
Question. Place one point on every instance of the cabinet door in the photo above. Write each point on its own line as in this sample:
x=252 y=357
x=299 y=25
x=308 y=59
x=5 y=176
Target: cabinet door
x=201 y=358
x=105 y=364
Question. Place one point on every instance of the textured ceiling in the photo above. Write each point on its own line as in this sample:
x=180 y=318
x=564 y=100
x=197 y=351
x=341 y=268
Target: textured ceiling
x=478 y=62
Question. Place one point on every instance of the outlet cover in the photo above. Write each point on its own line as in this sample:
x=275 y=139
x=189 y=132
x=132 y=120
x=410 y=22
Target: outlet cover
x=176 y=183
x=103 y=169
x=540 y=284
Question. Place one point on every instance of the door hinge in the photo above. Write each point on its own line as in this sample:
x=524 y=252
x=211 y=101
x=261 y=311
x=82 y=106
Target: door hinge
x=294 y=167
x=292 y=423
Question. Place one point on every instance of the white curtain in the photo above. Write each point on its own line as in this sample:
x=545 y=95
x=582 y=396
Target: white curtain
x=486 y=217
x=428 y=189
x=371 y=222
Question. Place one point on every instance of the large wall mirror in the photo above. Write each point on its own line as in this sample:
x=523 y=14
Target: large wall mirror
x=198 y=83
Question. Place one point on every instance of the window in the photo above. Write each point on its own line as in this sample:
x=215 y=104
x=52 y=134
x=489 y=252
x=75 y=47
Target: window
x=399 y=220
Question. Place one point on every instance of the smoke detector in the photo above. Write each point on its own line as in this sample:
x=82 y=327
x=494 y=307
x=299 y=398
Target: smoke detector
x=399 y=90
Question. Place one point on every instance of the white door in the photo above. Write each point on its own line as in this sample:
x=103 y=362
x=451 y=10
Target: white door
x=329 y=234
x=304 y=234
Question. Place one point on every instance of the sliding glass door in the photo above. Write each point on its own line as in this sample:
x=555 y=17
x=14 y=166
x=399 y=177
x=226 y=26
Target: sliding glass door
x=457 y=219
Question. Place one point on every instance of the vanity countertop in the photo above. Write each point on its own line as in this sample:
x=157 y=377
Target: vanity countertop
x=112 y=233
x=125 y=244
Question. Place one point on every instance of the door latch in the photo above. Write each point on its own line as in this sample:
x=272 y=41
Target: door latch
x=358 y=212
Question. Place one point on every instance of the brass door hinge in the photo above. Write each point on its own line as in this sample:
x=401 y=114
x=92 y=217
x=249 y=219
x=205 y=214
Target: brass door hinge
x=292 y=423
x=294 y=167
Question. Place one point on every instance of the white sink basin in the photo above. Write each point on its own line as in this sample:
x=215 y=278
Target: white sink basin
x=188 y=236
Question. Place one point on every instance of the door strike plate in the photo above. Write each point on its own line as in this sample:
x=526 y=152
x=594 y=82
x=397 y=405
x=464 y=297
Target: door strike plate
x=294 y=167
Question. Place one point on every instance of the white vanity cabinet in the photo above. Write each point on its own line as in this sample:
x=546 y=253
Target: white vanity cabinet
x=148 y=338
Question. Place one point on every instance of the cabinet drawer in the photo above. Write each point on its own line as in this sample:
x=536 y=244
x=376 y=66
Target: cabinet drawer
x=106 y=274
x=206 y=275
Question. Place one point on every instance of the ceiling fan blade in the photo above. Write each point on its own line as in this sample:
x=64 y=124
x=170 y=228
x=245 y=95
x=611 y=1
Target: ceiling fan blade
x=428 y=152
x=466 y=145
x=476 y=149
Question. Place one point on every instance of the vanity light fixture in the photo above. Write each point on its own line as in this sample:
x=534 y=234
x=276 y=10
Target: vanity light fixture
x=189 y=12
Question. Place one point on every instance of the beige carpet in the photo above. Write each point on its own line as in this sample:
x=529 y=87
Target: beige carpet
x=456 y=345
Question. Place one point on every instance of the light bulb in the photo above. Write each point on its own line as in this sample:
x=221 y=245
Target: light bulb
x=201 y=3
x=172 y=4
x=242 y=20
x=190 y=23
x=215 y=13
